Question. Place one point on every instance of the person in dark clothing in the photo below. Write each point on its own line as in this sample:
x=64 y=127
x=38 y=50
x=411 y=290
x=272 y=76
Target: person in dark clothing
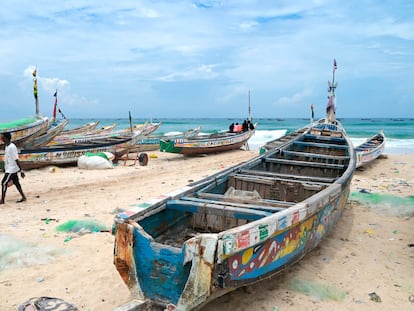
x=251 y=125
x=245 y=126
x=231 y=127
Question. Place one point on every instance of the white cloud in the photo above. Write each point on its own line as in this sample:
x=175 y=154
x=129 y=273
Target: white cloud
x=272 y=47
x=293 y=100
x=202 y=72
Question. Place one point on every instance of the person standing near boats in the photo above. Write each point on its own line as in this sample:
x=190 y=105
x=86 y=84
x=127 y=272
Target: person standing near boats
x=11 y=168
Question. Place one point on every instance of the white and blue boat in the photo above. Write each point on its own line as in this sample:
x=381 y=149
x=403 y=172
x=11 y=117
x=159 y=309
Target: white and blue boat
x=370 y=150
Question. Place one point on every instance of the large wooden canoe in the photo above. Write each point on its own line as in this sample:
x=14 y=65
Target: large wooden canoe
x=24 y=129
x=239 y=226
x=236 y=227
x=87 y=127
x=209 y=143
x=68 y=154
x=147 y=128
x=370 y=150
x=152 y=142
x=54 y=130
x=103 y=132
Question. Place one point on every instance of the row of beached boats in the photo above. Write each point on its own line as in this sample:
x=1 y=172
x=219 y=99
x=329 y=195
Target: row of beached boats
x=42 y=142
x=51 y=145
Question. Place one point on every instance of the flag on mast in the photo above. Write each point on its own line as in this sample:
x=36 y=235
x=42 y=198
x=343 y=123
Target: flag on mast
x=54 y=108
x=334 y=65
x=34 y=73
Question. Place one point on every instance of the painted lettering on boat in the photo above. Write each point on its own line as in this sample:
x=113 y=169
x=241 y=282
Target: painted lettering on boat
x=280 y=248
x=76 y=154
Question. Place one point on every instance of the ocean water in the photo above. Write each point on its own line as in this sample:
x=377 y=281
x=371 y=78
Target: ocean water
x=399 y=132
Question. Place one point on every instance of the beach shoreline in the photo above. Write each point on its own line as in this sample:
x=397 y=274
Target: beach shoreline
x=367 y=251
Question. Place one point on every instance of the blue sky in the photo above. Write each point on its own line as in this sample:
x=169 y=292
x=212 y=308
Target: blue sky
x=167 y=58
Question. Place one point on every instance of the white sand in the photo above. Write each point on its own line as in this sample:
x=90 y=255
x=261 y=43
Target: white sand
x=367 y=251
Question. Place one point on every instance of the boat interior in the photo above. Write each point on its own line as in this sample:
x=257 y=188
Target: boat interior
x=372 y=143
x=271 y=183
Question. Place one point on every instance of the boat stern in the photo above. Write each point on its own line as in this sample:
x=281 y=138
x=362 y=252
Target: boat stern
x=163 y=274
x=169 y=146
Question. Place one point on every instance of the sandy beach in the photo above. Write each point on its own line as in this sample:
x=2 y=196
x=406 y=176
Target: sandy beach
x=370 y=250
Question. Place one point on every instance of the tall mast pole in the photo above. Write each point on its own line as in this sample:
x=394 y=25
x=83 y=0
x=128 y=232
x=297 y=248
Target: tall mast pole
x=333 y=86
x=130 y=121
x=250 y=111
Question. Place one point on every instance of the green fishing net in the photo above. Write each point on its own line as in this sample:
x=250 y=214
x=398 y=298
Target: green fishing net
x=80 y=226
x=316 y=290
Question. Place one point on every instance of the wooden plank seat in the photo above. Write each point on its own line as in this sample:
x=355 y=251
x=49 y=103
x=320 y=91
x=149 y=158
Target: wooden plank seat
x=312 y=144
x=271 y=206
x=338 y=140
x=304 y=163
x=212 y=208
x=271 y=180
x=327 y=180
x=315 y=155
x=369 y=144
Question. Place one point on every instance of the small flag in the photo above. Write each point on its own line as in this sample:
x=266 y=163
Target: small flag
x=35 y=89
x=334 y=65
x=56 y=101
x=34 y=73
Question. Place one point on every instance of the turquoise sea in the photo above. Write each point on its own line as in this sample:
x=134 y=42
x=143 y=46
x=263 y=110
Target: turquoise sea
x=399 y=132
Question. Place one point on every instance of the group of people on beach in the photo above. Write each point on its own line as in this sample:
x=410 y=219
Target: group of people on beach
x=11 y=168
x=236 y=128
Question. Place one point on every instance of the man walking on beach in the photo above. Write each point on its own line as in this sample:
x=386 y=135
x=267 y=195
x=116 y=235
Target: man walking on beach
x=11 y=168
